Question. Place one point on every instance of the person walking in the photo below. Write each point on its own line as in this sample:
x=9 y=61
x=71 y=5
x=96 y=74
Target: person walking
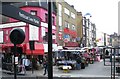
x=45 y=65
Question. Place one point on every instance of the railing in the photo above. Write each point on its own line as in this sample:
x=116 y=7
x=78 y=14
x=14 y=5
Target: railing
x=112 y=59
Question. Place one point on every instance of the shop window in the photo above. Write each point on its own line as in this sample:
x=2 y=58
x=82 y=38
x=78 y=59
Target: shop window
x=67 y=11
x=32 y=12
x=73 y=27
x=67 y=25
x=45 y=38
x=60 y=28
x=46 y=17
x=73 y=15
x=83 y=30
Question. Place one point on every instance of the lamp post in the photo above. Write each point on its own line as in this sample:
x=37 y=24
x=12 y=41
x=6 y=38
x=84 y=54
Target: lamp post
x=50 y=61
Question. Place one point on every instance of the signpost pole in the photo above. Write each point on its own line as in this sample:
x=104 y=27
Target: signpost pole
x=32 y=62
x=15 y=77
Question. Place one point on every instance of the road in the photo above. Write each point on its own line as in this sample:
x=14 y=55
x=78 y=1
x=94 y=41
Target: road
x=96 y=69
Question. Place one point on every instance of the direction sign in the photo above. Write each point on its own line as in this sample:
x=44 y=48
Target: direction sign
x=17 y=13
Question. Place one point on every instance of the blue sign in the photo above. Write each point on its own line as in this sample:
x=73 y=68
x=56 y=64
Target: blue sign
x=66 y=36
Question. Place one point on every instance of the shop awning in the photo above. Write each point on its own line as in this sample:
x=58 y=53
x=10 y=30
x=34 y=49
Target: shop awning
x=10 y=45
x=71 y=48
x=6 y=48
x=39 y=49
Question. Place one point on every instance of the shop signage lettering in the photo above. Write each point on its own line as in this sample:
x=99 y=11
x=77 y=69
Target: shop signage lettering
x=67 y=31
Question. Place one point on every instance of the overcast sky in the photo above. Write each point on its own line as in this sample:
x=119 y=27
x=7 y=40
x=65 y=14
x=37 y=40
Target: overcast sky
x=104 y=13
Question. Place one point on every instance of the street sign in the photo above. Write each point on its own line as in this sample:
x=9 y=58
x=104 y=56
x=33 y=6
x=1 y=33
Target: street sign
x=16 y=13
x=17 y=36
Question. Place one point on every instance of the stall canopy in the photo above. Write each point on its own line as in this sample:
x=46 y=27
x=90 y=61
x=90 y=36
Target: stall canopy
x=39 y=49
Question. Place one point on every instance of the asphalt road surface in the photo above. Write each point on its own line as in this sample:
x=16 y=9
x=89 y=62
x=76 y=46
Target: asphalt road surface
x=96 y=69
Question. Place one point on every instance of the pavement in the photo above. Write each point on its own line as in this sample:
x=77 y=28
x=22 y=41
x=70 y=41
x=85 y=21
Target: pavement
x=93 y=70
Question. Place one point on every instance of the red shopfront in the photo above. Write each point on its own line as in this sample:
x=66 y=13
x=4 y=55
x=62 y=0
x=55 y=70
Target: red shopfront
x=39 y=49
x=24 y=49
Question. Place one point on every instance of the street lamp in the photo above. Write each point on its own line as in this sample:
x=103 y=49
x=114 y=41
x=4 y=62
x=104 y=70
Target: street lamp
x=87 y=15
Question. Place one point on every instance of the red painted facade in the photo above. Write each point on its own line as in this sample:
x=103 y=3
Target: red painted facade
x=41 y=14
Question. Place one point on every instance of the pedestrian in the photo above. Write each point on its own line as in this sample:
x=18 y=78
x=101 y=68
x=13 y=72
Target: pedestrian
x=26 y=63
x=78 y=62
x=45 y=65
x=107 y=52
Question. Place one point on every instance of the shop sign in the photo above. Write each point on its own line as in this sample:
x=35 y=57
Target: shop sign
x=66 y=36
x=66 y=30
x=72 y=44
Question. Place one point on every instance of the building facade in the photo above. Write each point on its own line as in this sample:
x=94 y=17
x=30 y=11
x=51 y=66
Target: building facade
x=89 y=33
x=32 y=33
x=67 y=25
x=114 y=40
x=92 y=35
x=79 y=28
